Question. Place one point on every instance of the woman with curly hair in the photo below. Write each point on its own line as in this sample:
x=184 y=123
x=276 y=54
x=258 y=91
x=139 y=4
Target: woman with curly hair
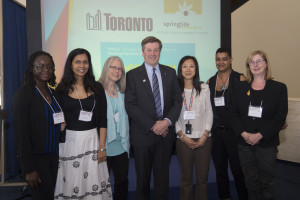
x=82 y=172
x=37 y=124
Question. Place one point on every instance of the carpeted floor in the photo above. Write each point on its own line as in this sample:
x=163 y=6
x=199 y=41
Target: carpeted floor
x=287 y=183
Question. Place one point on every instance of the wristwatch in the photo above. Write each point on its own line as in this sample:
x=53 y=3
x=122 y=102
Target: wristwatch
x=102 y=149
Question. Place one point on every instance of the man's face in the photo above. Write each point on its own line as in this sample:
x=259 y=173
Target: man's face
x=151 y=53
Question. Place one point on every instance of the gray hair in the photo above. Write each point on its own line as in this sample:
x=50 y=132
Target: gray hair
x=104 y=80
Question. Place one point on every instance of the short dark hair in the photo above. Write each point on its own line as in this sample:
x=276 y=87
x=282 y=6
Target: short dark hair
x=68 y=79
x=224 y=50
x=151 y=39
x=196 y=78
x=28 y=76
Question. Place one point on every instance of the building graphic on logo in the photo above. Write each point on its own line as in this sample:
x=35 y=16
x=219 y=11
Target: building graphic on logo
x=93 y=22
x=184 y=7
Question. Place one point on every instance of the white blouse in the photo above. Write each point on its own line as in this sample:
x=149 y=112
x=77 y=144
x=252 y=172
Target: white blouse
x=203 y=110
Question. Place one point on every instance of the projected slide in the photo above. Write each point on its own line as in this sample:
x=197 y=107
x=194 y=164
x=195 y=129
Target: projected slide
x=117 y=27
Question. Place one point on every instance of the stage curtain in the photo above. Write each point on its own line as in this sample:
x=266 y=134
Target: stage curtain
x=14 y=65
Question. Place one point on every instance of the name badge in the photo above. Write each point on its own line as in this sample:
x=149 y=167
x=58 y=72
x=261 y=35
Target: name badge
x=85 y=116
x=219 y=101
x=255 y=111
x=58 y=118
x=116 y=117
x=189 y=115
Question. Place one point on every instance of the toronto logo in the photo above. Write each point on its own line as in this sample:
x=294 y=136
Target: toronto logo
x=109 y=22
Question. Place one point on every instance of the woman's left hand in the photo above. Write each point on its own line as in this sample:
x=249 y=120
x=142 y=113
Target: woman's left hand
x=62 y=126
x=253 y=139
x=101 y=156
x=200 y=142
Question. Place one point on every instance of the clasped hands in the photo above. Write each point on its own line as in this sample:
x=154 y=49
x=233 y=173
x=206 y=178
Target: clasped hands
x=161 y=127
x=194 y=144
x=251 y=138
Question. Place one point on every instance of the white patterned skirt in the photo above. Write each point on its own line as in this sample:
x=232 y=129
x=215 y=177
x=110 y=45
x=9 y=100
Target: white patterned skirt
x=79 y=174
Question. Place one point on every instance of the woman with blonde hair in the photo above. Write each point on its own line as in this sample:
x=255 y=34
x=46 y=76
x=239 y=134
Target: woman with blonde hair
x=117 y=140
x=259 y=112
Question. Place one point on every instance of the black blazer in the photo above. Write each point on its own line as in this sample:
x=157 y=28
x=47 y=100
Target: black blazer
x=275 y=109
x=140 y=106
x=30 y=127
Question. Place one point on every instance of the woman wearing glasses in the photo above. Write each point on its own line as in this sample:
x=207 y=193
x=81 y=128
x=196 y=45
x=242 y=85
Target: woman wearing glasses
x=82 y=172
x=37 y=124
x=259 y=110
x=117 y=140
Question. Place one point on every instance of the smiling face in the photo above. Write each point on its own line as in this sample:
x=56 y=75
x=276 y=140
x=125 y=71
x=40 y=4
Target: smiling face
x=115 y=71
x=80 y=65
x=223 y=62
x=188 y=69
x=258 y=66
x=151 y=53
x=42 y=69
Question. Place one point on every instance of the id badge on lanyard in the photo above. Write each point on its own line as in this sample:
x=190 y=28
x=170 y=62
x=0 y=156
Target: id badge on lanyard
x=58 y=118
x=255 y=111
x=219 y=101
x=85 y=116
x=189 y=115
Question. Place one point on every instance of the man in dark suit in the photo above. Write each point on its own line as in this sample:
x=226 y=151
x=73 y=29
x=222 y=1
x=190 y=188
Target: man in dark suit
x=153 y=103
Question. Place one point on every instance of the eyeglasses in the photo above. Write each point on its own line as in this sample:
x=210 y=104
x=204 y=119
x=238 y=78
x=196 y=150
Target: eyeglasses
x=41 y=67
x=258 y=62
x=119 y=69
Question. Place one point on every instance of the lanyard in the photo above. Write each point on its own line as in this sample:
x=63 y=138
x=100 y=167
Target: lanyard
x=47 y=101
x=191 y=100
x=225 y=87
x=80 y=101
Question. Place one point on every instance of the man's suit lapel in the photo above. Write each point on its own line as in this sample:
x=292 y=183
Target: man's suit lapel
x=145 y=81
x=163 y=73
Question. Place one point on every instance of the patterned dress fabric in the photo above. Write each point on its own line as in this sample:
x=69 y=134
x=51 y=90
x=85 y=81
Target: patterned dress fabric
x=79 y=174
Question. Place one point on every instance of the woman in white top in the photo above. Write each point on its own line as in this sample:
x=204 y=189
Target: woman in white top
x=193 y=130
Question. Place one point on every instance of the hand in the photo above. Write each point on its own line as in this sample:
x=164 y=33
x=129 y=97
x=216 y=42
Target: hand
x=101 y=156
x=255 y=138
x=245 y=135
x=33 y=179
x=252 y=139
x=165 y=133
x=189 y=142
x=160 y=126
x=63 y=126
x=284 y=126
x=200 y=142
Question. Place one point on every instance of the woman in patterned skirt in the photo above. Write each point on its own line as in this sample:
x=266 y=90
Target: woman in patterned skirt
x=82 y=172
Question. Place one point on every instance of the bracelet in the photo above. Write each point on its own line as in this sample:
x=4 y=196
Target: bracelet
x=181 y=137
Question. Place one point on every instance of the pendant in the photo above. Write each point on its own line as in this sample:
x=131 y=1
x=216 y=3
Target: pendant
x=223 y=87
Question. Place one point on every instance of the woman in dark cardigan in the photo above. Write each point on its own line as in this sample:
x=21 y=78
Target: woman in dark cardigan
x=259 y=113
x=37 y=124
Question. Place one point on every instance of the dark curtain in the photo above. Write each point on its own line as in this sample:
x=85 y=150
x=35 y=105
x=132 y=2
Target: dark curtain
x=14 y=65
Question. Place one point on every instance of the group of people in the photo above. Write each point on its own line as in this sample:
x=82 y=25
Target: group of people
x=70 y=139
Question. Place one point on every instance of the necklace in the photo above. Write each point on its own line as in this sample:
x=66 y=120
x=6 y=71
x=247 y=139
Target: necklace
x=224 y=85
x=113 y=93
